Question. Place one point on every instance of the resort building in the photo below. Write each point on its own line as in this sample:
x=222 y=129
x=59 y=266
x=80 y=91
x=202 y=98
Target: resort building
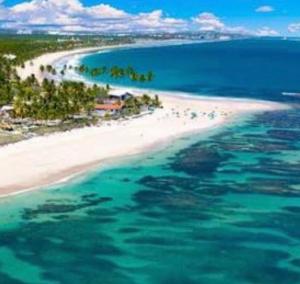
x=120 y=95
x=108 y=109
x=9 y=56
x=6 y=110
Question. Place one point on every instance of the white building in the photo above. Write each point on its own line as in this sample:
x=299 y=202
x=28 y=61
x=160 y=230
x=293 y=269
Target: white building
x=9 y=56
x=120 y=94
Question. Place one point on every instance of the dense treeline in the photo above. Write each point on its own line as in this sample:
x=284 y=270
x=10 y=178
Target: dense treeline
x=28 y=47
x=8 y=81
x=50 y=101
x=46 y=101
x=134 y=105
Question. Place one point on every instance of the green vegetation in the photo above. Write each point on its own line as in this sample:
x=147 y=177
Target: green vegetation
x=134 y=105
x=47 y=101
x=27 y=47
x=117 y=72
x=8 y=80
x=34 y=108
x=50 y=101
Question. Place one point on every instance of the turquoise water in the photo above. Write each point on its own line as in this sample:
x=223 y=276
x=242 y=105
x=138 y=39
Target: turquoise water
x=218 y=208
x=260 y=69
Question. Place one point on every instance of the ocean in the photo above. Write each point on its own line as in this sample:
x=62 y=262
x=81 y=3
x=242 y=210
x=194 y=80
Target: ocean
x=259 y=69
x=216 y=208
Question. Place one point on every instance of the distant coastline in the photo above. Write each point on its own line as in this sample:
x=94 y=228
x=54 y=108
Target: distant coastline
x=42 y=161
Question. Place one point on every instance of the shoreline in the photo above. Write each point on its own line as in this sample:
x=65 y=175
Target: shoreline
x=80 y=171
x=33 y=66
x=43 y=161
x=75 y=58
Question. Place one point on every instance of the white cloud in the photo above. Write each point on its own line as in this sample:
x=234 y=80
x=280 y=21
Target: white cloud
x=239 y=30
x=208 y=22
x=294 y=27
x=156 y=21
x=70 y=16
x=264 y=9
x=267 y=31
x=57 y=12
x=107 y=11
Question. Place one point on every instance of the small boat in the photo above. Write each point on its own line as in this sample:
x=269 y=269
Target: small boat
x=290 y=94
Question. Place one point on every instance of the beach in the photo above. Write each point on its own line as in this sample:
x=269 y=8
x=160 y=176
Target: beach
x=33 y=66
x=46 y=160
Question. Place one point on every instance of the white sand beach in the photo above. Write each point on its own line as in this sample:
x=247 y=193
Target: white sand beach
x=44 y=160
x=33 y=66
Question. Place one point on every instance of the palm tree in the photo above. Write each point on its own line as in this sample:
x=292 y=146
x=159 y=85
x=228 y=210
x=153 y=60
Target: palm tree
x=146 y=100
x=81 y=69
x=142 y=78
x=157 y=102
x=134 y=76
x=49 y=68
x=150 y=76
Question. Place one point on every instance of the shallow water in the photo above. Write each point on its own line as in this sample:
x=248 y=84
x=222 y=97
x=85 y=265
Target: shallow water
x=217 y=209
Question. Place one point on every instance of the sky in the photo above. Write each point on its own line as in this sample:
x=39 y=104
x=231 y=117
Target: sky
x=259 y=17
